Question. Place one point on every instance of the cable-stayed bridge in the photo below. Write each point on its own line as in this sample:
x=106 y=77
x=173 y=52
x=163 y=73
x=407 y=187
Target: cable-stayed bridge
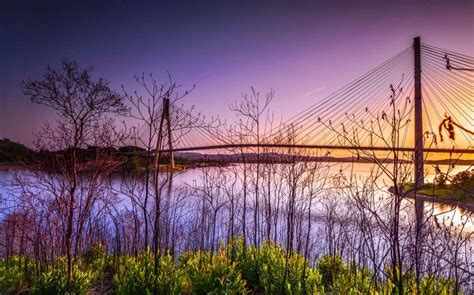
x=419 y=101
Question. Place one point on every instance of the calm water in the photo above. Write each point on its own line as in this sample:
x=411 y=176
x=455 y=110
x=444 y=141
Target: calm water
x=359 y=170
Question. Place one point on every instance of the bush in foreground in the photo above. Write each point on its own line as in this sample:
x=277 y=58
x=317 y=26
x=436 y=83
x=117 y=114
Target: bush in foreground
x=268 y=269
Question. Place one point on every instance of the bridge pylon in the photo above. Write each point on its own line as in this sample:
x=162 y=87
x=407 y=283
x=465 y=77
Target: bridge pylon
x=165 y=115
x=418 y=143
x=418 y=155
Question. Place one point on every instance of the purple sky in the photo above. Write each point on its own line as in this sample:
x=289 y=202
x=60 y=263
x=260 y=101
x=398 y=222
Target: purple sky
x=303 y=50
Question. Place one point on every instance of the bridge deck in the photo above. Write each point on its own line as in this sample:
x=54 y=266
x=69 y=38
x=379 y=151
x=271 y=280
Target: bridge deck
x=310 y=146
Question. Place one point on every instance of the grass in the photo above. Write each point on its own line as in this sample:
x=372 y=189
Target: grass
x=459 y=188
x=447 y=192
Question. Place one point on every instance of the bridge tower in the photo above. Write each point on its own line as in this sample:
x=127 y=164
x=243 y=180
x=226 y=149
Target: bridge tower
x=418 y=155
x=165 y=115
x=418 y=148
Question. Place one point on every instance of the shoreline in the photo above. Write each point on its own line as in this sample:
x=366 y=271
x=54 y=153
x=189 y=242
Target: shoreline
x=17 y=167
x=162 y=168
x=433 y=199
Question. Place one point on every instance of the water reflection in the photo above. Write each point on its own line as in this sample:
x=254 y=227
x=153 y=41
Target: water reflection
x=361 y=171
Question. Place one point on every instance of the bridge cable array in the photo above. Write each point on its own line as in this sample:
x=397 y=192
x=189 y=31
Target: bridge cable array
x=362 y=105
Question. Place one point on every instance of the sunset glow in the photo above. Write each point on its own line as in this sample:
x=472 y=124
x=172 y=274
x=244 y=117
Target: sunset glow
x=236 y=147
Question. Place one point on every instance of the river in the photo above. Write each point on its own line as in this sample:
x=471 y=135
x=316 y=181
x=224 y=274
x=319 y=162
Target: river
x=359 y=170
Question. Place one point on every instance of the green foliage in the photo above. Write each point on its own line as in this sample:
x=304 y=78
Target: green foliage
x=230 y=270
x=135 y=275
x=95 y=255
x=432 y=285
x=54 y=281
x=460 y=188
x=264 y=269
x=208 y=273
x=351 y=279
x=428 y=284
x=331 y=268
x=15 y=273
x=440 y=180
x=463 y=178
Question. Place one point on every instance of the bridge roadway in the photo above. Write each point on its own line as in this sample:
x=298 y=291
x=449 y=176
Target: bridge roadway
x=311 y=146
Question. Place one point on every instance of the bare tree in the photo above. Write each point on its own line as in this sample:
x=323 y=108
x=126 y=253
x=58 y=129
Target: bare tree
x=251 y=112
x=81 y=106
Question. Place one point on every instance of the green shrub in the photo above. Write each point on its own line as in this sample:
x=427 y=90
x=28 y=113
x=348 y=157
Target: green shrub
x=331 y=267
x=264 y=270
x=135 y=275
x=54 y=281
x=348 y=279
x=15 y=274
x=208 y=273
x=230 y=270
x=95 y=255
x=431 y=285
